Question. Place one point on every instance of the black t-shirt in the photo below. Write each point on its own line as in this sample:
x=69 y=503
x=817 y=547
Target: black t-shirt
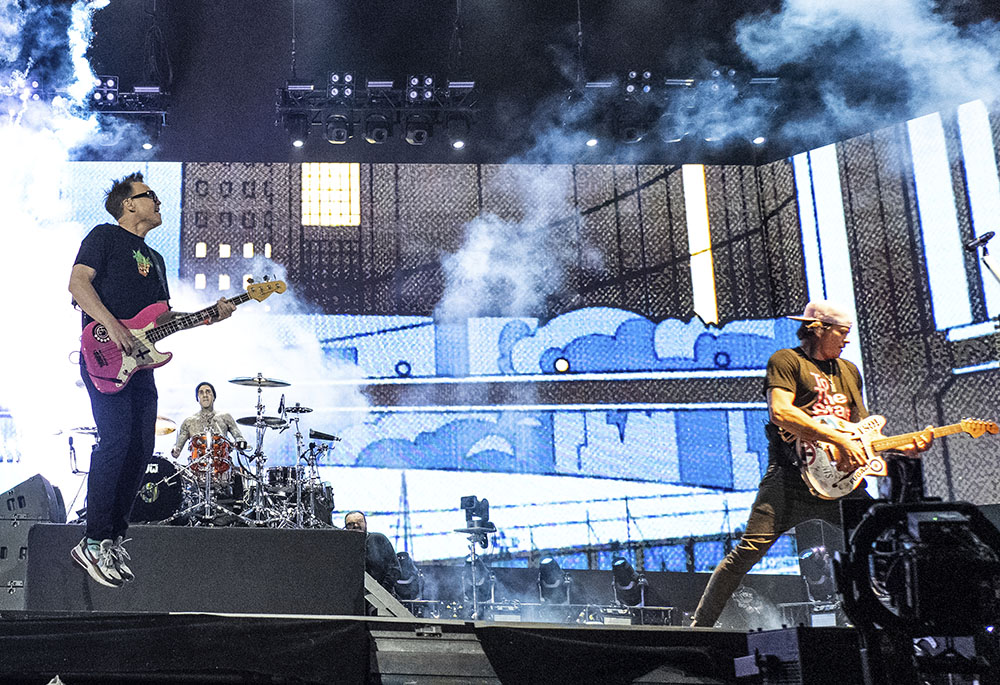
x=821 y=388
x=130 y=274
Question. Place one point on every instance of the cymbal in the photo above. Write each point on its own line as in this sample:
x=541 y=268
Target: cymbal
x=475 y=531
x=79 y=430
x=259 y=381
x=298 y=409
x=165 y=426
x=269 y=421
x=317 y=435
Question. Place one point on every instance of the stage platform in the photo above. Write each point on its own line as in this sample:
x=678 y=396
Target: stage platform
x=233 y=605
x=212 y=648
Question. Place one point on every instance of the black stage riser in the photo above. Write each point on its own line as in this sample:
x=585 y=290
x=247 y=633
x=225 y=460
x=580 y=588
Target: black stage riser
x=226 y=570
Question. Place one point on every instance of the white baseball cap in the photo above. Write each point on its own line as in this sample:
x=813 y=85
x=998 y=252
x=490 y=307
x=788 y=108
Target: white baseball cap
x=824 y=312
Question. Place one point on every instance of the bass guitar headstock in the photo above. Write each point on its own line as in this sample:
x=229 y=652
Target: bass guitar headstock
x=262 y=290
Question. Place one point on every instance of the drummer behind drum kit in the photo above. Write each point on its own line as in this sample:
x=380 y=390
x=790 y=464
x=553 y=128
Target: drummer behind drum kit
x=213 y=489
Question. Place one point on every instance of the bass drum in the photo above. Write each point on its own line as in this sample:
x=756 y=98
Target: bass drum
x=160 y=494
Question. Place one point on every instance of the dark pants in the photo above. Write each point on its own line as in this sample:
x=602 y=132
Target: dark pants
x=126 y=423
x=783 y=501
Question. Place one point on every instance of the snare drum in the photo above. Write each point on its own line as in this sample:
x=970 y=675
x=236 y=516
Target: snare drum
x=221 y=462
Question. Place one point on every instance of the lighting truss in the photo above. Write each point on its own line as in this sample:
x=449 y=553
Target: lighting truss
x=379 y=110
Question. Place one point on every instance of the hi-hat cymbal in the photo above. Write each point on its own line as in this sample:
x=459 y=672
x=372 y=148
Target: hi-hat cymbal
x=259 y=381
x=298 y=409
x=79 y=430
x=165 y=426
x=477 y=530
x=269 y=421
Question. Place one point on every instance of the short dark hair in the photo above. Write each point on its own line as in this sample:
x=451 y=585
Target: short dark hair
x=808 y=329
x=355 y=512
x=212 y=387
x=120 y=191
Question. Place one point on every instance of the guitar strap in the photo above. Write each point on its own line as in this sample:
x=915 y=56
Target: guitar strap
x=852 y=392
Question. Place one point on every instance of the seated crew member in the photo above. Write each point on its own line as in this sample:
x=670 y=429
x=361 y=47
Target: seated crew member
x=210 y=422
x=801 y=383
x=381 y=562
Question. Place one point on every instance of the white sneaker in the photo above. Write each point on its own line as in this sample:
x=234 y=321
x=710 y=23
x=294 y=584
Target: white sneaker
x=98 y=561
x=120 y=556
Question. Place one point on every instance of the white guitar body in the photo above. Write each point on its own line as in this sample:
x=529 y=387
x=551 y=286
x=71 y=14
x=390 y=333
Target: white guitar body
x=819 y=467
x=818 y=464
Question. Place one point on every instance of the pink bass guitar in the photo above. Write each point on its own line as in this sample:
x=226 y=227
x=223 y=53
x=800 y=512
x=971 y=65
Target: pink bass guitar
x=110 y=369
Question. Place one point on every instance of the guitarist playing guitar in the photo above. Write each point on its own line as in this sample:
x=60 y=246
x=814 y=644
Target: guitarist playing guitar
x=116 y=275
x=802 y=383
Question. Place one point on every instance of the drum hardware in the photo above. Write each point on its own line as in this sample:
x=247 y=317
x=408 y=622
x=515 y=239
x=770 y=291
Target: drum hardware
x=298 y=409
x=259 y=506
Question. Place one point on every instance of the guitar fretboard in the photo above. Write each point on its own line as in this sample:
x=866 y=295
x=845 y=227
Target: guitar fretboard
x=191 y=320
x=896 y=441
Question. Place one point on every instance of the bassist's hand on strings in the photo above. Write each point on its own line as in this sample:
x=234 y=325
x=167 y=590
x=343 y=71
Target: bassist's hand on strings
x=121 y=336
x=225 y=309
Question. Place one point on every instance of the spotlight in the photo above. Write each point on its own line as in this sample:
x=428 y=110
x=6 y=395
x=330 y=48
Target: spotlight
x=629 y=587
x=378 y=128
x=457 y=128
x=418 y=129
x=411 y=581
x=297 y=127
x=759 y=140
x=340 y=85
x=714 y=128
x=105 y=94
x=671 y=128
x=338 y=128
x=817 y=571
x=553 y=583
x=591 y=142
x=419 y=88
x=151 y=127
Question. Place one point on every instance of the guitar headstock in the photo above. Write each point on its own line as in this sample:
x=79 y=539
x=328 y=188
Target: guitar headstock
x=261 y=291
x=976 y=427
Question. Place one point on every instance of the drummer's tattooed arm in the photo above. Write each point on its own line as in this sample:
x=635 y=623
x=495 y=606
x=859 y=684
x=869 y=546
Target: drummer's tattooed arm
x=230 y=425
x=182 y=437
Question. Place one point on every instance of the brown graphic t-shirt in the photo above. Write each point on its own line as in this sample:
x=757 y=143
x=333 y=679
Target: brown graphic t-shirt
x=821 y=388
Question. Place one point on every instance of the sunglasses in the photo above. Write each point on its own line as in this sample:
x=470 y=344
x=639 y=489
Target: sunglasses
x=149 y=193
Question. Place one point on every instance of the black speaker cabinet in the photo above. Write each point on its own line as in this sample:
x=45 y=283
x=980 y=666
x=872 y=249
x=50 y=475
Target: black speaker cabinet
x=35 y=500
x=225 y=570
x=13 y=562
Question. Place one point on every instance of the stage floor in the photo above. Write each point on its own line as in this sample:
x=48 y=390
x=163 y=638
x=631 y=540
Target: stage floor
x=185 y=648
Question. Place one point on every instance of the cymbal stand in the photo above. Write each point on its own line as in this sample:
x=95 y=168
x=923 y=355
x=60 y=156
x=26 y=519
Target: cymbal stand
x=259 y=505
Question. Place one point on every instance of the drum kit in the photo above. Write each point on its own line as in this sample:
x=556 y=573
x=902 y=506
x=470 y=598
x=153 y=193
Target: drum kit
x=222 y=483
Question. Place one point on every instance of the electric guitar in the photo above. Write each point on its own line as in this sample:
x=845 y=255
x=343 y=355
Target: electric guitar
x=819 y=467
x=110 y=369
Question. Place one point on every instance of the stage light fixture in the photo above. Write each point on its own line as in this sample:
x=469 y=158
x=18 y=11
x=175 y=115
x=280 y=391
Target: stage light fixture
x=714 y=127
x=457 y=128
x=340 y=85
x=297 y=127
x=417 y=129
x=411 y=581
x=378 y=129
x=338 y=128
x=759 y=140
x=628 y=585
x=553 y=583
x=105 y=95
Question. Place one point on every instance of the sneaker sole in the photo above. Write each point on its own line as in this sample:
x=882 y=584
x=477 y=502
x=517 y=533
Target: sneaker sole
x=92 y=570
